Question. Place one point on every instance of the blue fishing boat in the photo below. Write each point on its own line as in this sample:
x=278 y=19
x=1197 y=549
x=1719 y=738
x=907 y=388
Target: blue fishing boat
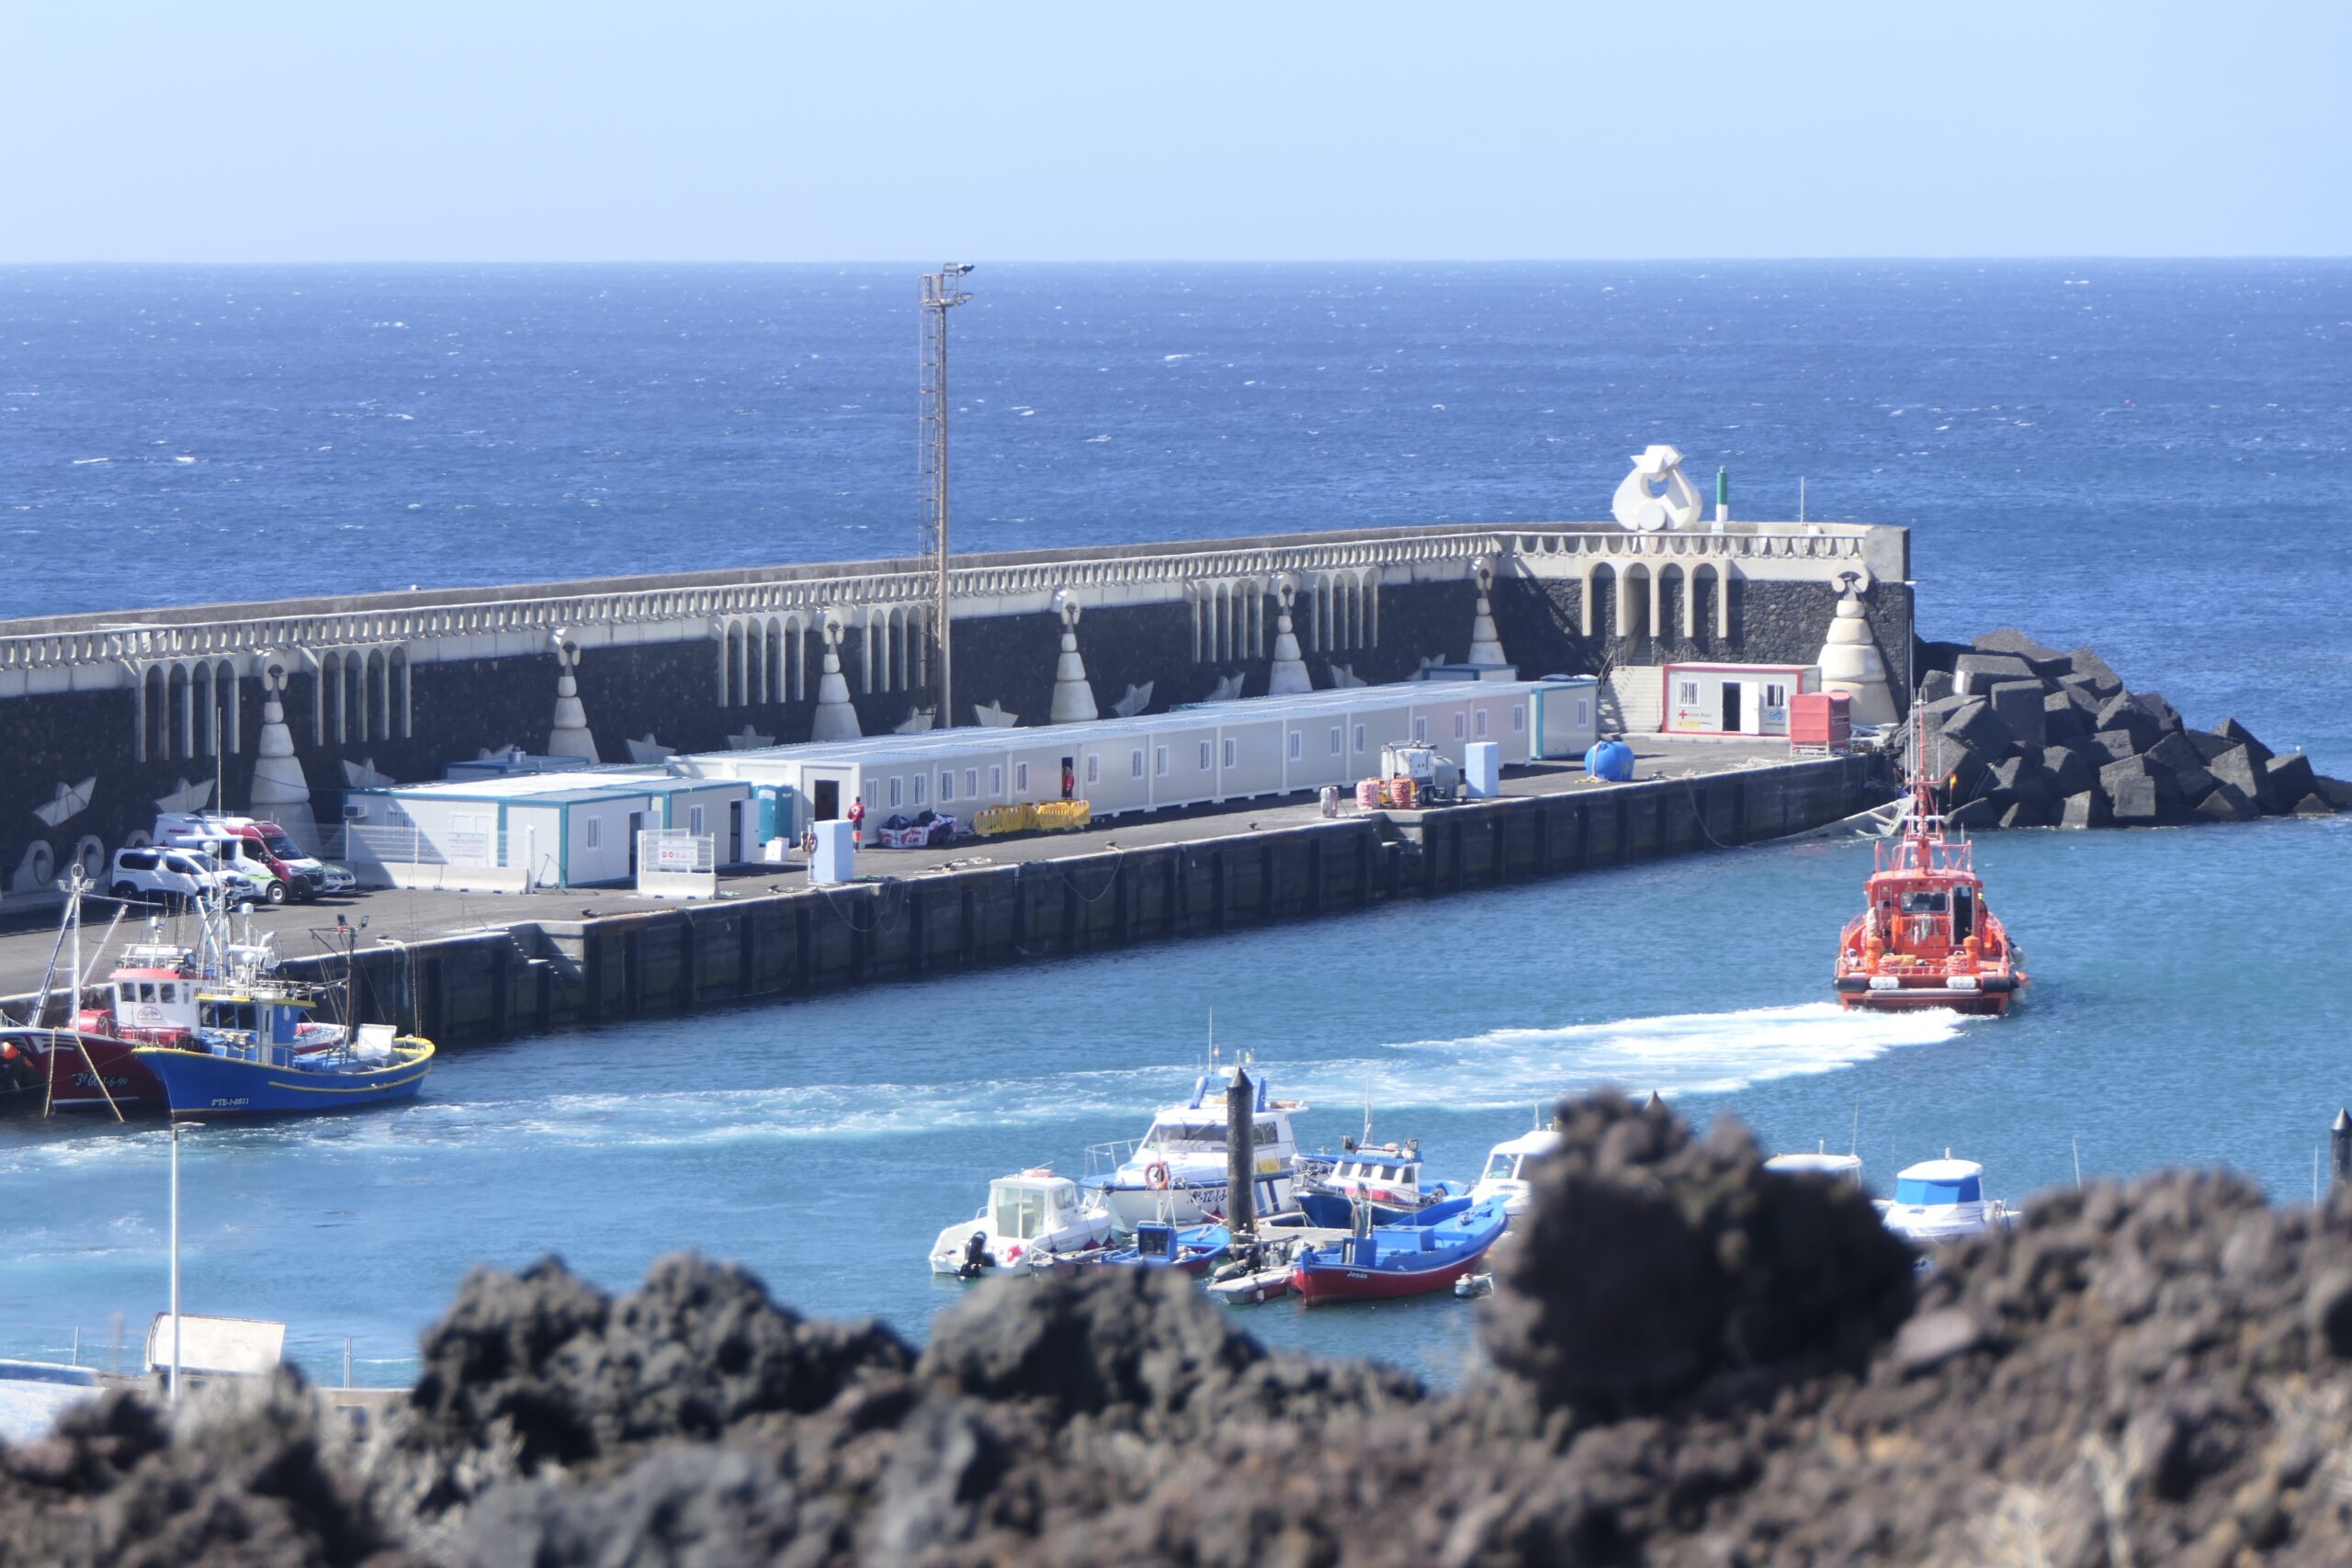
x=1330 y=1187
x=247 y=1046
x=1189 y=1249
x=1428 y=1253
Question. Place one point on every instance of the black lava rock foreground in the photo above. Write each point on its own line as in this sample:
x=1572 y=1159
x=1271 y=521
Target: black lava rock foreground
x=1695 y=1361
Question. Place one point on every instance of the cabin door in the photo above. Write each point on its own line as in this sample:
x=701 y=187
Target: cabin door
x=827 y=799
x=1731 y=708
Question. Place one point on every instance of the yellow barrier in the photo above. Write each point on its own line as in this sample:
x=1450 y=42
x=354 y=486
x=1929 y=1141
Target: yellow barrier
x=1053 y=814
x=990 y=821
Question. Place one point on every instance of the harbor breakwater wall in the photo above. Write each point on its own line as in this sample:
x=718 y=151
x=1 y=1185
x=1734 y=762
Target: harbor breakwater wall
x=110 y=718
x=535 y=979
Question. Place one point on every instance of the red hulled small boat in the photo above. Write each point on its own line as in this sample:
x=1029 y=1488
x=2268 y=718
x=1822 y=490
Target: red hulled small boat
x=1925 y=939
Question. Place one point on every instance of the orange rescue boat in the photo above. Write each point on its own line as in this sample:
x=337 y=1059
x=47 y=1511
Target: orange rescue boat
x=1927 y=939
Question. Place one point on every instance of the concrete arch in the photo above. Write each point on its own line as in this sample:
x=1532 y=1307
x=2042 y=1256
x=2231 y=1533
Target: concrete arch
x=772 y=634
x=229 y=699
x=1706 y=604
x=208 y=726
x=330 y=699
x=175 y=742
x=1636 y=602
x=379 y=697
x=1673 y=601
x=1601 y=607
x=355 y=698
x=396 y=692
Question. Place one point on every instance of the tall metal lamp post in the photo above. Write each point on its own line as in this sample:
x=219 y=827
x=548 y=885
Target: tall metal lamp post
x=942 y=292
x=176 y=1125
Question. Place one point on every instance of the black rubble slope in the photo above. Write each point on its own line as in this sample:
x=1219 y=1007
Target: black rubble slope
x=1695 y=1361
x=2024 y=736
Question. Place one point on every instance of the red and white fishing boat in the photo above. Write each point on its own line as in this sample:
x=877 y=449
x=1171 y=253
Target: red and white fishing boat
x=1925 y=937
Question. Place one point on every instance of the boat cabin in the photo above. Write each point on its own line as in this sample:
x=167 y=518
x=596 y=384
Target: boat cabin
x=1377 y=1173
x=1838 y=1167
x=1510 y=1163
x=1030 y=1205
x=238 y=1016
x=152 y=1003
x=1939 y=1183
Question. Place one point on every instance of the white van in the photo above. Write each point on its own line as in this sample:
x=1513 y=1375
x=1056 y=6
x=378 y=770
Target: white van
x=168 y=875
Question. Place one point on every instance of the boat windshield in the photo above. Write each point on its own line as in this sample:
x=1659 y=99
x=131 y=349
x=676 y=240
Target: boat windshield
x=1023 y=1213
x=1167 y=1138
x=1923 y=902
x=1501 y=1166
x=1922 y=1194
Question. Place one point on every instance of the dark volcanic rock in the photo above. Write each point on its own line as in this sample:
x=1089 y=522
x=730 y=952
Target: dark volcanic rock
x=1724 y=1276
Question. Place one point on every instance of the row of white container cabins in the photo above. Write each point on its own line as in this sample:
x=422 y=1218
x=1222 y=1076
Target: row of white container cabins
x=753 y=801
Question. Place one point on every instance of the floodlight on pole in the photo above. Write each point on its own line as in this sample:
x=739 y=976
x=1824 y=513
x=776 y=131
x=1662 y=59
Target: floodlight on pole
x=940 y=293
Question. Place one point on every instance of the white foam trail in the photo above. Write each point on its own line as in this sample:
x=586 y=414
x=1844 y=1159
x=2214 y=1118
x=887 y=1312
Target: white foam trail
x=1675 y=1052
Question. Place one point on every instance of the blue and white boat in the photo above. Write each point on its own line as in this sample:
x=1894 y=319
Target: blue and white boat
x=1439 y=1245
x=1176 y=1173
x=247 y=1046
x=1188 y=1249
x=1939 y=1201
x=1388 y=1177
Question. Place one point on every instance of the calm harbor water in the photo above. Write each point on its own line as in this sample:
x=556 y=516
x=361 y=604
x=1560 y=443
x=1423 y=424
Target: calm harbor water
x=2149 y=457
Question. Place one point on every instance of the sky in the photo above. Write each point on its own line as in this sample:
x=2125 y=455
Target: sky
x=1284 y=129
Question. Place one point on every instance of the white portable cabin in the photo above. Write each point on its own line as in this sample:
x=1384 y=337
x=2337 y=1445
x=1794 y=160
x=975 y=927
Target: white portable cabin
x=1203 y=754
x=1732 y=699
x=552 y=829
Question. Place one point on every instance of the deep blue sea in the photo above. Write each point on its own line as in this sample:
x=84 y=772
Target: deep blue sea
x=2149 y=457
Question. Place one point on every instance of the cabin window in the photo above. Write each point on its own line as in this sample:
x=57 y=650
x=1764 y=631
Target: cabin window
x=1359 y=736
x=1093 y=767
x=1421 y=729
x=1297 y=744
x=921 y=787
x=1461 y=726
x=1134 y=764
x=1501 y=1166
x=1204 y=756
x=898 y=796
x=1232 y=751
x=595 y=833
x=167 y=992
x=1776 y=695
x=1336 y=746
x=1686 y=693
x=1159 y=761
x=1518 y=719
x=1481 y=723
x=1584 y=712
x=1920 y=1193
x=1021 y=776
x=971 y=780
x=946 y=786
x=996 y=778
x=694 y=820
x=1264 y=1133
x=146 y=990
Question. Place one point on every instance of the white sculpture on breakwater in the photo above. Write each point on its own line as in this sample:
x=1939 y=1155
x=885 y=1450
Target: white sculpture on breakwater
x=569 y=735
x=280 y=794
x=1290 y=673
x=1656 y=495
x=835 y=718
x=1849 y=660
x=1486 y=642
x=1073 y=698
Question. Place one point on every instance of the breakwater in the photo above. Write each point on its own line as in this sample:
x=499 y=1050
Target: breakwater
x=545 y=975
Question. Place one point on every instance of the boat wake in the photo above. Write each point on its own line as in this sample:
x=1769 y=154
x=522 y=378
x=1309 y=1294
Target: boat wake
x=1696 y=1053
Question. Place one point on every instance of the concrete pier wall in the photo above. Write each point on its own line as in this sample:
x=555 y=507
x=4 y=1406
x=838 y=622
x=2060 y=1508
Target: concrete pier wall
x=556 y=975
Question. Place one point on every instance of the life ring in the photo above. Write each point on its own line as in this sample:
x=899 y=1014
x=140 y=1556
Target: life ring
x=1154 y=1176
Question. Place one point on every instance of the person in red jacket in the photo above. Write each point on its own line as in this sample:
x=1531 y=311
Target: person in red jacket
x=857 y=818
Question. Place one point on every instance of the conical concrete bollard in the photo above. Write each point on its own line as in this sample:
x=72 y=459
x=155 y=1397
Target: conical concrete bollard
x=1290 y=669
x=1849 y=661
x=1485 y=643
x=836 y=719
x=1073 y=698
x=280 y=794
x=569 y=735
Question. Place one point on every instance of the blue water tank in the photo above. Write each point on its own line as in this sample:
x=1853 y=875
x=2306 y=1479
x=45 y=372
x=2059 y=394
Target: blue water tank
x=1611 y=759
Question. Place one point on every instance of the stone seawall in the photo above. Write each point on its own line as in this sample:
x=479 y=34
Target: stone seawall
x=556 y=975
x=110 y=718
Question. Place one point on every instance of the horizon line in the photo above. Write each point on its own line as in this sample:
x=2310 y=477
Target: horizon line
x=880 y=263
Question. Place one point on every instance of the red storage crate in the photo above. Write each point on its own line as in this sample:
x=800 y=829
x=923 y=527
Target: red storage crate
x=1821 y=718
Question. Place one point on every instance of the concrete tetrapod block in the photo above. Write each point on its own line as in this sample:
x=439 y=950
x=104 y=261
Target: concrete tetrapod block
x=2209 y=745
x=2113 y=745
x=1982 y=812
x=2176 y=756
x=2062 y=718
x=2019 y=706
x=2336 y=792
x=2227 y=803
x=1977 y=727
x=2121 y=712
x=1935 y=684
x=2046 y=660
x=2237 y=734
x=2067 y=772
x=2130 y=789
x=2085 y=694
x=1938 y=655
x=2084 y=808
x=2290 y=778
x=2236 y=768
x=2034 y=813
x=1973 y=674
x=2089 y=664
x=2165 y=716
x=2313 y=806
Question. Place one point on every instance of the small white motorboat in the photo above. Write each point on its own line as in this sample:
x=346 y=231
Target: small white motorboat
x=1939 y=1201
x=1821 y=1162
x=1509 y=1166
x=1033 y=1223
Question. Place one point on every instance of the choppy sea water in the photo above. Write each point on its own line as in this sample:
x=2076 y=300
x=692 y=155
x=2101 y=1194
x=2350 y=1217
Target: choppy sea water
x=2149 y=457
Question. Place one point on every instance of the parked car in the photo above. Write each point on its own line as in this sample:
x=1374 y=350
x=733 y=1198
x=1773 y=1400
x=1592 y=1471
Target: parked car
x=169 y=874
x=245 y=839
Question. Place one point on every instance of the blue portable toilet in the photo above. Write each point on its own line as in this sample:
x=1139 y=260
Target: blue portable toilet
x=1610 y=760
